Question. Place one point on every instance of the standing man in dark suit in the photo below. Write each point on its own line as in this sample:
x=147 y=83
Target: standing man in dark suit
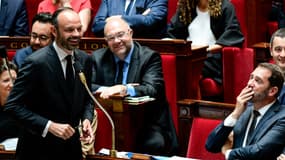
x=258 y=129
x=49 y=100
x=13 y=18
x=141 y=75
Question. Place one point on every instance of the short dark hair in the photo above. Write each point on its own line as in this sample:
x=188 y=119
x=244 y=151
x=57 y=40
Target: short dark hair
x=11 y=66
x=277 y=76
x=43 y=17
x=279 y=33
x=56 y=13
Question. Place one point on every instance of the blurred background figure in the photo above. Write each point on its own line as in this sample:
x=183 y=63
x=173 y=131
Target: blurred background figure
x=82 y=7
x=207 y=22
x=40 y=37
x=148 y=18
x=277 y=13
x=277 y=45
x=13 y=18
x=8 y=127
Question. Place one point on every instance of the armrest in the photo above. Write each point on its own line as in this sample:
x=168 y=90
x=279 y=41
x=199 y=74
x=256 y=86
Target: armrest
x=262 y=52
x=190 y=108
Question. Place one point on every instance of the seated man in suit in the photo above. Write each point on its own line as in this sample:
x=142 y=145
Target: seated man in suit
x=258 y=127
x=277 y=45
x=40 y=37
x=140 y=74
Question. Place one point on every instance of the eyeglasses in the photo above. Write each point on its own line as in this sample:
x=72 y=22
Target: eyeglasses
x=119 y=35
x=40 y=37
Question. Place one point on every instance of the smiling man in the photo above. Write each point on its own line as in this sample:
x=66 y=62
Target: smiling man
x=127 y=67
x=43 y=101
x=41 y=36
x=258 y=127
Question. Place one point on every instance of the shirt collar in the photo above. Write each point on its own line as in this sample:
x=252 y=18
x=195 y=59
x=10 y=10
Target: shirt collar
x=263 y=110
x=60 y=52
x=128 y=57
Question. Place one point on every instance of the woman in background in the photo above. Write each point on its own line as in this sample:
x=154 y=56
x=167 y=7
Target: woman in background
x=9 y=130
x=82 y=7
x=207 y=22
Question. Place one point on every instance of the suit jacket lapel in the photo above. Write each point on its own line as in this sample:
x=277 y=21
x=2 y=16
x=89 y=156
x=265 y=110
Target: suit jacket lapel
x=264 y=122
x=55 y=66
x=240 y=128
x=133 y=66
x=109 y=69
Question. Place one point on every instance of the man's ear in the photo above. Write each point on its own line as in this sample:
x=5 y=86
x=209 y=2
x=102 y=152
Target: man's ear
x=53 y=31
x=273 y=91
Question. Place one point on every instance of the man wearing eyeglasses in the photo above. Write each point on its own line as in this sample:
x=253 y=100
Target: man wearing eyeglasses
x=40 y=37
x=127 y=67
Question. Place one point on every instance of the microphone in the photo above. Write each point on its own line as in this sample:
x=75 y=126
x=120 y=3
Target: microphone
x=78 y=69
x=3 y=55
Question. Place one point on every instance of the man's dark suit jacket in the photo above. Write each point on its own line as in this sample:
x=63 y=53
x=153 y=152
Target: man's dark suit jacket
x=14 y=18
x=40 y=94
x=144 y=68
x=266 y=143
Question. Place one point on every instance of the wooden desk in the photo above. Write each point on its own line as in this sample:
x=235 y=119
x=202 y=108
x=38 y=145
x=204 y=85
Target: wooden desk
x=7 y=155
x=127 y=120
x=10 y=155
x=189 y=60
x=189 y=108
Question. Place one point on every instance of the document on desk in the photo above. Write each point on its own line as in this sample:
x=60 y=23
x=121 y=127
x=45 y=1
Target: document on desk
x=130 y=155
x=171 y=158
x=138 y=100
x=10 y=144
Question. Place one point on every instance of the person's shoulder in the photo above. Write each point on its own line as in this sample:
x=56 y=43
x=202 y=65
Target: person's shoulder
x=145 y=50
x=100 y=51
x=26 y=50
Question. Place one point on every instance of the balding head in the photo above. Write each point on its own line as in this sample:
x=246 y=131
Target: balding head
x=115 y=22
x=118 y=35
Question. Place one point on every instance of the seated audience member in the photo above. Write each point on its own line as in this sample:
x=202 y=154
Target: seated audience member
x=258 y=127
x=127 y=67
x=277 y=13
x=8 y=126
x=82 y=7
x=148 y=18
x=277 y=50
x=40 y=37
x=207 y=22
x=13 y=18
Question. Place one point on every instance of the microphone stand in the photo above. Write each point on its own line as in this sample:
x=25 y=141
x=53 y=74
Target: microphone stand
x=113 y=152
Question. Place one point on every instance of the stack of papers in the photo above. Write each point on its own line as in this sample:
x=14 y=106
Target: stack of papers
x=129 y=155
x=138 y=100
x=10 y=144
